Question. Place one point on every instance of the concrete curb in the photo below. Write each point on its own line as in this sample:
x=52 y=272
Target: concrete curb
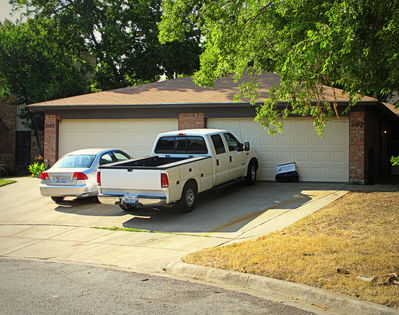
x=340 y=303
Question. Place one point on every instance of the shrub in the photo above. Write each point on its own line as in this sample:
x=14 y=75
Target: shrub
x=3 y=170
x=36 y=169
x=395 y=160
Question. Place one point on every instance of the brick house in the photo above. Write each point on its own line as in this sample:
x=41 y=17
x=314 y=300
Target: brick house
x=355 y=148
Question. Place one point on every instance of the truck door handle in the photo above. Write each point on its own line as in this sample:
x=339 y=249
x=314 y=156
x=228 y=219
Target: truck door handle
x=231 y=160
x=217 y=162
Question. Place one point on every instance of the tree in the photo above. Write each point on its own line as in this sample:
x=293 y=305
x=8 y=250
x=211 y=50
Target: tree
x=350 y=44
x=34 y=68
x=122 y=36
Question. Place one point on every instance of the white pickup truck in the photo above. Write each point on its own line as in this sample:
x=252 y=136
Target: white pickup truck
x=183 y=164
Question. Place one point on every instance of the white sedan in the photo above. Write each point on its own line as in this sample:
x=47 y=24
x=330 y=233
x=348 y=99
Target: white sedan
x=75 y=174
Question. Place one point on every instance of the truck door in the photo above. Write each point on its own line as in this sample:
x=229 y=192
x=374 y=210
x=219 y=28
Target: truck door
x=236 y=155
x=221 y=161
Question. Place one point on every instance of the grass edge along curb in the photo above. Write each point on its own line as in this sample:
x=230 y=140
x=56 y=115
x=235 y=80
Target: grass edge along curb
x=334 y=301
x=116 y=228
x=4 y=182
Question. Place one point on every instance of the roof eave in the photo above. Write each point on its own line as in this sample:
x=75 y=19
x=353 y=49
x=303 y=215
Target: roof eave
x=43 y=107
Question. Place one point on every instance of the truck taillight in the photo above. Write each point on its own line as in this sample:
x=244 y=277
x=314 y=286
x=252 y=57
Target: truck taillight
x=98 y=178
x=44 y=176
x=164 y=180
x=79 y=176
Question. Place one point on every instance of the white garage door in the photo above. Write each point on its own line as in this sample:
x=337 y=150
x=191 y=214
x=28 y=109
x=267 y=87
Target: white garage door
x=135 y=136
x=318 y=159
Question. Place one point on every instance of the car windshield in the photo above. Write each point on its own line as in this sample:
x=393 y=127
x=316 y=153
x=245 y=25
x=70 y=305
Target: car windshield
x=76 y=161
x=181 y=145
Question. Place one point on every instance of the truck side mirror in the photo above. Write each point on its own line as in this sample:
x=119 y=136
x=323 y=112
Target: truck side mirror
x=247 y=147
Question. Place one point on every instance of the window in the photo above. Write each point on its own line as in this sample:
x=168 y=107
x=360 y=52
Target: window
x=181 y=145
x=232 y=142
x=76 y=161
x=106 y=159
x=218 y=144
x=120 y=156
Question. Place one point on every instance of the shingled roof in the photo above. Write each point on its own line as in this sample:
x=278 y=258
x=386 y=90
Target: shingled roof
x=180 y=91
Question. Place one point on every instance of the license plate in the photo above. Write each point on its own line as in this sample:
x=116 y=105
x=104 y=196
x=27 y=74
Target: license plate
x=60 y=179
x=129 y=199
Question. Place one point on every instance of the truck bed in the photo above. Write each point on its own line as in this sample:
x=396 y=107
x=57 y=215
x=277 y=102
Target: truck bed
x=145 y=174
x=150 y=162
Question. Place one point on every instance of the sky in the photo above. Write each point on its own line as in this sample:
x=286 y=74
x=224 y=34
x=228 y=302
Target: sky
x=5 y=9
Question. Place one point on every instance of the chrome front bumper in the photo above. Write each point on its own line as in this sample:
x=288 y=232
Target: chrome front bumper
x=142 y=200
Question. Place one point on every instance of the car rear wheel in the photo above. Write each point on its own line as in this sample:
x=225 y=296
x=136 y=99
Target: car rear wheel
x=57 y=200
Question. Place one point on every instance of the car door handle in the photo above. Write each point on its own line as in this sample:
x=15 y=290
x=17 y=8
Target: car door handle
x=217 y=162
x=231 y=160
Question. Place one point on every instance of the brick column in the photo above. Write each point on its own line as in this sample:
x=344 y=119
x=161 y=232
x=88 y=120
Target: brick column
x=51 y=138
x=191 y=121
x=357 y=147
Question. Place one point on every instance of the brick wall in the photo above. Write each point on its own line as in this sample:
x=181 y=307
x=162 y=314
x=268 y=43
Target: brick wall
x=369 y=146
x=50 y=138
x=357 y=127
x=191 y=121
x=7 y=137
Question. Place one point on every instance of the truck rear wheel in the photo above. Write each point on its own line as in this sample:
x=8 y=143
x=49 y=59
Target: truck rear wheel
x=126 y=207
x=188 y=197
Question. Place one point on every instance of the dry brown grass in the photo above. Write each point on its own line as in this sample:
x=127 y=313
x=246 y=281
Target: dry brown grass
x=359 y=233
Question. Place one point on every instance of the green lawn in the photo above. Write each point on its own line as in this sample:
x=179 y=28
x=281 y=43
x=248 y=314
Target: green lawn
x=4 y=182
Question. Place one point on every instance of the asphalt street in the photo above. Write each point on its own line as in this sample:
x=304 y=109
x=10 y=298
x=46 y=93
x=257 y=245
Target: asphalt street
x=37 y=287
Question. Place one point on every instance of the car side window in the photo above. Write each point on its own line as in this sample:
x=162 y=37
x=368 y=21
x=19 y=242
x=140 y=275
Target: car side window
x=120 y=156
x=218 y=144
x=106 y=158
x=232 y=142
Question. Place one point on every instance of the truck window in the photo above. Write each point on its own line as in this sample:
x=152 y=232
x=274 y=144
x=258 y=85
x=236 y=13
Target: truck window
x=232 y=142
x=181 y=145
x=218 y=144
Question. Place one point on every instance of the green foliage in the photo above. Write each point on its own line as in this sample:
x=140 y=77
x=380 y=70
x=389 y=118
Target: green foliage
x=348 y=44
x=395 y=160
x=34 y=67
x=36 y=169
x=120 y=35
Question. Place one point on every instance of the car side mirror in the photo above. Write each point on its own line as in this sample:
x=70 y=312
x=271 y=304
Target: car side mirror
x=247 y=147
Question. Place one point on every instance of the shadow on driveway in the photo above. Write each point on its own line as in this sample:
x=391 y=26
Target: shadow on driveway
x=227 y=209
x=88 y=207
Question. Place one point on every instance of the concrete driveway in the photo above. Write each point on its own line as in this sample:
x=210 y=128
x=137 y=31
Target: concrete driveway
x=34 y=226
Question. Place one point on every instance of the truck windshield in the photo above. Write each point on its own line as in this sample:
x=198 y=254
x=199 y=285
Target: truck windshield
x=181 y=145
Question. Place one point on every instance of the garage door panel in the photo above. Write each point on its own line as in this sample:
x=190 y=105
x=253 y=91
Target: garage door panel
x=136 y=136
x=318 y=158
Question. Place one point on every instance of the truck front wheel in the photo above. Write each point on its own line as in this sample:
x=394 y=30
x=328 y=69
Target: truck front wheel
x=188 y=197
x=250 y=179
